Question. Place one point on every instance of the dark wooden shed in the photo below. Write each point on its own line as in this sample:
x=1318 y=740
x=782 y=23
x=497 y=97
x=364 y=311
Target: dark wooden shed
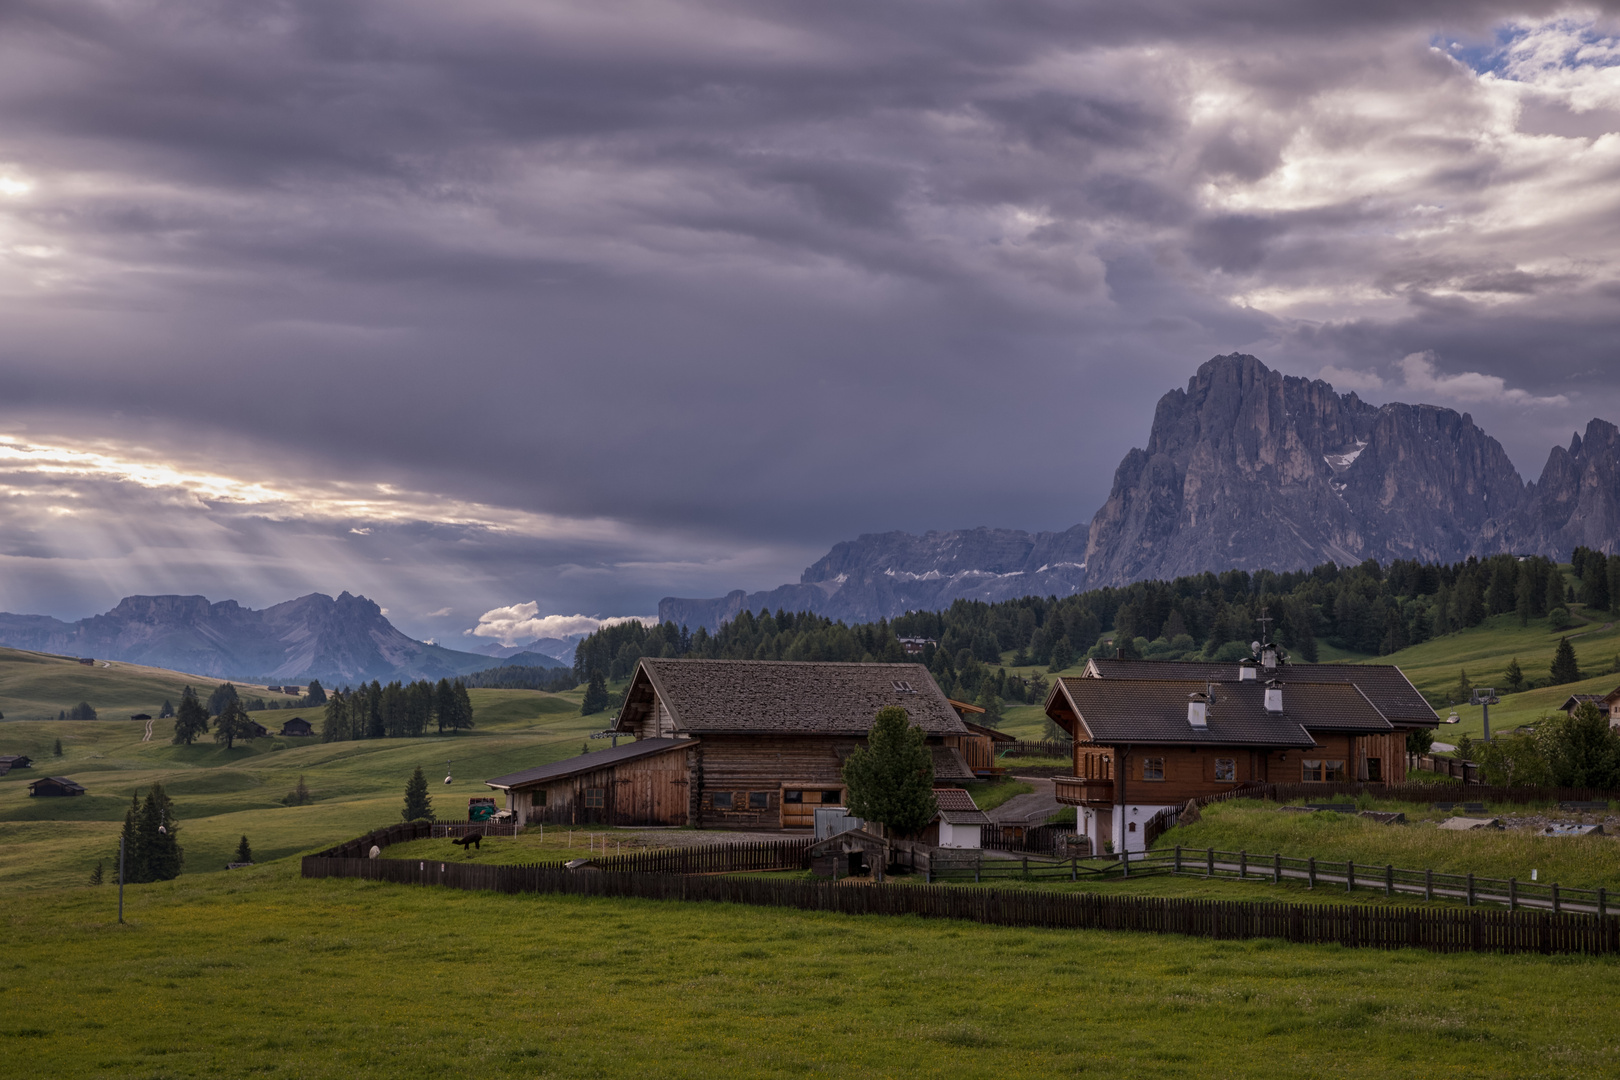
x=849 y=854
x=55 y=785
x=297 y=727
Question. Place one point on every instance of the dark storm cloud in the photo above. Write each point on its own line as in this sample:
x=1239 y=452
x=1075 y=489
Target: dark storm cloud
x=675 y=295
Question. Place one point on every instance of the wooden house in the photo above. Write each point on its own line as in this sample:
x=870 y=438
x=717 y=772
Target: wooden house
x=297 y=727
x=770 y=736
x=1608 y=704
x=55 y=785
x=640 y=783
x=14 y=761
x=978 y=746
x=1145 y=745
x=87 y=661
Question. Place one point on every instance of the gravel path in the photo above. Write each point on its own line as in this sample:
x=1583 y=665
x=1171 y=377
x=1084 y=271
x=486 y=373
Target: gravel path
x=1031 y=809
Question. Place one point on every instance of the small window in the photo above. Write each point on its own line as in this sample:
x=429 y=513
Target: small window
x=1375 y=769
x=903 y=687
x=1225 y=768
x=1132 y=827
x=832 y=798
x=1153 y=768
x=759 y=800
x=1334 y=772
x=721 y=800
x=538 y=798
x=793 y=796
x=595 y=797
x=1312 y=770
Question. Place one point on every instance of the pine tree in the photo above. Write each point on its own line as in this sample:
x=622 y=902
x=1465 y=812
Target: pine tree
x=191 y=721
x=990 y=702
x=299 y=796
x=596 y=696
x=222 y=696
x=464 y=709
x=1464 y=688
x=315 y=693
x=418 y=803
x=167 y=710
x=99 y=874
x=1564 y=668
x=1514 y=675
x=444 y=705
x=335 y=727
x=133 y=845
x=1555 y=589
x=1523 y=598
x=891 y=778
x=244 y=853
x=151 y=849
x=233 y=724
x=1062 y=655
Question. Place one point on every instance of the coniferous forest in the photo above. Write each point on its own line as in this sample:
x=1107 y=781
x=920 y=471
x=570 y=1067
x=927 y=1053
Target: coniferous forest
x=1369 y=608
x=398 y=710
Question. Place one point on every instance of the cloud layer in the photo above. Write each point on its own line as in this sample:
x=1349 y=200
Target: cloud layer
x=456 y=305
x=521 y=623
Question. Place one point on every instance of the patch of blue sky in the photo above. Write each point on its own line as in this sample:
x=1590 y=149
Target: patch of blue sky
x=1567 y=43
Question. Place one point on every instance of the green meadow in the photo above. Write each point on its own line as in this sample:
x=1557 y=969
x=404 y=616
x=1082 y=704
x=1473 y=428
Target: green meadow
x=38 y=686
x=221 y=795
x=259 y=973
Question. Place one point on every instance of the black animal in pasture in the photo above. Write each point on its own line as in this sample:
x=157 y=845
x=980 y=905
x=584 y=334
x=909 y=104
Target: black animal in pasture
x=470 y=840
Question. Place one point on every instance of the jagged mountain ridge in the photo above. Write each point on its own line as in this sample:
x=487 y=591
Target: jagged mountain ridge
x=1246 y=468
x=342 y=640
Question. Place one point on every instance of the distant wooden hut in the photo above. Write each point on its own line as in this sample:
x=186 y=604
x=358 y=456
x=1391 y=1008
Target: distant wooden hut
x=141 y=716
x=88 y=661
x=297 y=727
x=14 y=761
x=55 y=785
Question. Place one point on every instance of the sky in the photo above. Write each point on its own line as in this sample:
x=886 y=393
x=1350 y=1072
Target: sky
x=518 y=315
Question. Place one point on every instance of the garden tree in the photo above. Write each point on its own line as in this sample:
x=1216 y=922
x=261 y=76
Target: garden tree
x=418 y=803
x=1464 y=688
x=298 y=796
x=891 y=778
x=1515 y=758
x=151 y=850
x=315 y=692
x=596 y=696
x=167 y=710
x=234 y=723
x=990 y=702
x=1419 y=741
x=244 y=852
x=223 y=695
x=1581 y=749
x=1564 y=668
x=1514 y=676
x=191 y=720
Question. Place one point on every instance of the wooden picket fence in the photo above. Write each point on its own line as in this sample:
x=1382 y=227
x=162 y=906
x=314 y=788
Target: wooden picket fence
x=1049 y=748
x=1355 y=926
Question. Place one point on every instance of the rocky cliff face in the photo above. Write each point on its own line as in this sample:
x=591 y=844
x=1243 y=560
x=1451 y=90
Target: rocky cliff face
x=346 y=640
x=886 y=574
x=1244 y=469
x=1251 y=469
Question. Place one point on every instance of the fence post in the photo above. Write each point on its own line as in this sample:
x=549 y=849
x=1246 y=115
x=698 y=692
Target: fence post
x=1177 y=869
x=978 y=866
x=1209 y=857
x=1513 y=894
x=1470 y=888
x=1124 y=861
x=1243 y=866
x=1603 y=901
x=1310 y=873
x=1428 y=885
x=1074 y=867
x=1349 y=876
x=1556 y=906
x=1389 y=879
x=1276 y=869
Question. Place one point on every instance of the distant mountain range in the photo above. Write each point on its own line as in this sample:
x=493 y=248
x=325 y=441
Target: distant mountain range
x=560 y=650
x=342 y=641
x=1244 y=469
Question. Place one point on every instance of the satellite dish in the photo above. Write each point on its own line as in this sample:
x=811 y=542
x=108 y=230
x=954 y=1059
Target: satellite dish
x=1255 y=645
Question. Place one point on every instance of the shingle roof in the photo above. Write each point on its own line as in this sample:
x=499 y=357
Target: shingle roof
x=1385 y=685
x=958 y=808
x=785 y=697
x=1155 y=711
x=948 y=764
x=584 y=763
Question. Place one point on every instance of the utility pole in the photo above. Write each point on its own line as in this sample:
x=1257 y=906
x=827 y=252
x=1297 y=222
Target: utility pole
x=1485 y=697
x=120 y=879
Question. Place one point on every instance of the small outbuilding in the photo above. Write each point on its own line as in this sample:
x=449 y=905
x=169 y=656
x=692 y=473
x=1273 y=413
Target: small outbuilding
x=55 y=785
x=14 y=761
x=297 y=727
x=855 y=853
x=640 y=783
x=959 y=824
x=141 y=716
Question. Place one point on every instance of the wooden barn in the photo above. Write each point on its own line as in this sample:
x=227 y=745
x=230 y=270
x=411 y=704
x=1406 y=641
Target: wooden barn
x=640 y=783
x=297 y=727
x=55 y=785
x=772 y=735
x=14 y=761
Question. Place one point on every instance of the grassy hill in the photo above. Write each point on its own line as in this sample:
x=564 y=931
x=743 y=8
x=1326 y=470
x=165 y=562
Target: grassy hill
x=221 y=795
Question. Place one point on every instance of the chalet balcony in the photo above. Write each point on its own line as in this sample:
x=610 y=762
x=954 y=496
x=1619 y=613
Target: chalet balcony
x=1081 y=791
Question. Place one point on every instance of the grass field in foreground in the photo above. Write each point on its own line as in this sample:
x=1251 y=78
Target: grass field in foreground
x=259 y=973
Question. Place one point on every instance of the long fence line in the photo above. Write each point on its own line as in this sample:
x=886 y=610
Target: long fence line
x=1355 y=926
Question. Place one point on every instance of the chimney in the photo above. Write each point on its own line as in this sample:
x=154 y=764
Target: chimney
x=1274 y=696
x=1198 y=711
x=1245 y=671
x=1268 y=658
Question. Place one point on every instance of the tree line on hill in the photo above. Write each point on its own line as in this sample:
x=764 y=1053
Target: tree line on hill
x=1368 y=608
x=522 y=677
x=398 y=710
